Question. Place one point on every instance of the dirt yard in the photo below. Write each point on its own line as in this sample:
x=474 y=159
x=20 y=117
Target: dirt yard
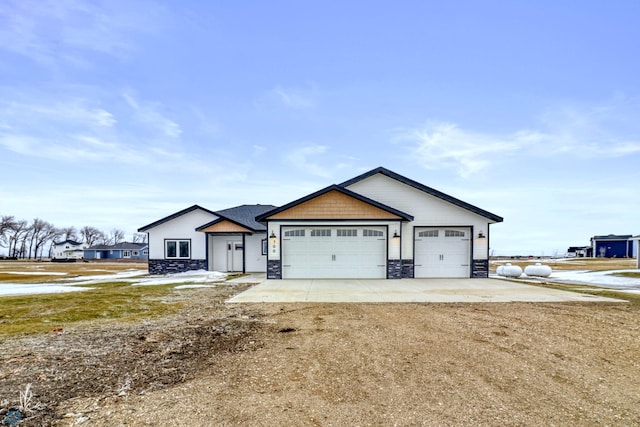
x=334 y=365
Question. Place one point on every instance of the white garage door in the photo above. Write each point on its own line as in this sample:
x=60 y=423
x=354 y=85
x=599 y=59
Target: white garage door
x=334 y=252
x=442 y=252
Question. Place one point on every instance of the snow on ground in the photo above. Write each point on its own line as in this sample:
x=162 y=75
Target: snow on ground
x=37 y=288
x=199 y=278
x=602 y=279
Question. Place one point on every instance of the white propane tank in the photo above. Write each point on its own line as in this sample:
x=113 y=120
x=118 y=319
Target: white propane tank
x=537 y=270
x=499 y=270
x=511 y=271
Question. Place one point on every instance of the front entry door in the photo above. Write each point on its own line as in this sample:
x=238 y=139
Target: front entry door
x=235 y=251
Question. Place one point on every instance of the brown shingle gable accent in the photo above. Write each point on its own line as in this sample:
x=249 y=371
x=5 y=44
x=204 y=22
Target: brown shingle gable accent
x=225 y=226
x=334 y=205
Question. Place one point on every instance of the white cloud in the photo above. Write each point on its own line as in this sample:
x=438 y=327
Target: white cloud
x=149 y=114
x=307 y=158
x=60 y=31
x=293 y=98
x=440 y=145
x=571 y=132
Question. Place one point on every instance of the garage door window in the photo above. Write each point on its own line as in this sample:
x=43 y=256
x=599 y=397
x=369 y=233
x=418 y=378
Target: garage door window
x=429 y=233
x=294 y=233
x=453 y=233
x=347 y=232
x=321 y=232
x=371 y=233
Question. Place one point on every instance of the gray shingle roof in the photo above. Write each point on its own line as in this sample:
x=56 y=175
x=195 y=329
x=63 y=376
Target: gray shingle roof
x=119 y=246
x=246 y=215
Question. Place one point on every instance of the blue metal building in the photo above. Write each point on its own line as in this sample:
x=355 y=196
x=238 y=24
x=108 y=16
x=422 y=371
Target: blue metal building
x=612 y=246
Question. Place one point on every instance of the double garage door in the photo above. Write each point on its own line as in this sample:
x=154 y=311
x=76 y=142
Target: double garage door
x=344 y=252
x=442 y=252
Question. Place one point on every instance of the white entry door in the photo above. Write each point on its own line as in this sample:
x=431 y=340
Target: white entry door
x=235 y=251
x=345 y=252
x=442 y=252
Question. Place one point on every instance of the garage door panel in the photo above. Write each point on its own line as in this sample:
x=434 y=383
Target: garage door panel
x=442 y=252
x=334 y=252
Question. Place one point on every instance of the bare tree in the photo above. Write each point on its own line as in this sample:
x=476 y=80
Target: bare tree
x=139 y=238
x=91 y=235
x=6 y=225
x=41 y=232
x=16 y=234
x=114 y=237
x=69 y=233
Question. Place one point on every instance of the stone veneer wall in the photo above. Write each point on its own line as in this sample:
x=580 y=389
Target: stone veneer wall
x=480 y=268
x=394 y=269
x=274 y=269
x=166 y=266
x=407 y=269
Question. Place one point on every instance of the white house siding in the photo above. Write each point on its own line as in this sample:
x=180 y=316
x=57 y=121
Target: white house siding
x=426 y=209
x=182 y=227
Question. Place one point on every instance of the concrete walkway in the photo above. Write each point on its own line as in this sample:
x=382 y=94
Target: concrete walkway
x=405 y=290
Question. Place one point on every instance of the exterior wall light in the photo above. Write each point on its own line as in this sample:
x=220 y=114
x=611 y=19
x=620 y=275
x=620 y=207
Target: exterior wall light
x=481 y=235
x=273 y=235
x=396 y=235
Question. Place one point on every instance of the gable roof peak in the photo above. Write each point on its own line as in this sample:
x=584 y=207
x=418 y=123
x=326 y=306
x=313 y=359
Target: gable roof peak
x=423 y=188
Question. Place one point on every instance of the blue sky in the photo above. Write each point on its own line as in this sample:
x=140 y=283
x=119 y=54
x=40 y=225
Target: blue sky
x=117 y=113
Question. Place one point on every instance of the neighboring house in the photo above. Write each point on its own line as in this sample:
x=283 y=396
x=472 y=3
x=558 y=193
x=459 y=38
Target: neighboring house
x=580 y=251
x=69 y=249
x=612 y=246
x=199 y=239
x=376 y=225
x=123 y=250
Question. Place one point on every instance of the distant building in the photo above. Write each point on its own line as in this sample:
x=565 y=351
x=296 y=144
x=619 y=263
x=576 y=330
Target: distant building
x=580 y=251
x=636 y=239
x=612 y=246
x=69 y=249
x=123 y=250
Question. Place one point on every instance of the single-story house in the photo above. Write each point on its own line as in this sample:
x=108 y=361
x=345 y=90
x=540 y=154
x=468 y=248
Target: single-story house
x=612 y=246
x=69 y=249
x=124 y=250
x=376 y=225
x=580 y=251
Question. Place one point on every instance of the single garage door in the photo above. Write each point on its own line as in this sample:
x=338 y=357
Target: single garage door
x=442 y=252
x=344 y=252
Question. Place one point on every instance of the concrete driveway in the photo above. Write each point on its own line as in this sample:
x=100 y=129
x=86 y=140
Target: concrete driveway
x=405 y=290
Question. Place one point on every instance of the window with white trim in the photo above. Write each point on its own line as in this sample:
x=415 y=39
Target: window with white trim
x=321 y=232
x=126 y=254
x=294 y=233
x=347 y=232
x=372 y=233
x=136 y=253
x=177 y=248
x=453 y=233
x=428 y=233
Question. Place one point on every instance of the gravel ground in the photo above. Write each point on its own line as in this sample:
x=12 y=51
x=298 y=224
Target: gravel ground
x=340 y=364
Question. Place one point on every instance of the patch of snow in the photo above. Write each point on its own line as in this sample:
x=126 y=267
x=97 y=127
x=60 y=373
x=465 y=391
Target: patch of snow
x=602 y=279
x=196 y=276
x=39 y=288
x=190 y=279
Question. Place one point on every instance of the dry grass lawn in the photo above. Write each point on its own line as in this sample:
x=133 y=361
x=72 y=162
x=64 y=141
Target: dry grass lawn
x=208 y=363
